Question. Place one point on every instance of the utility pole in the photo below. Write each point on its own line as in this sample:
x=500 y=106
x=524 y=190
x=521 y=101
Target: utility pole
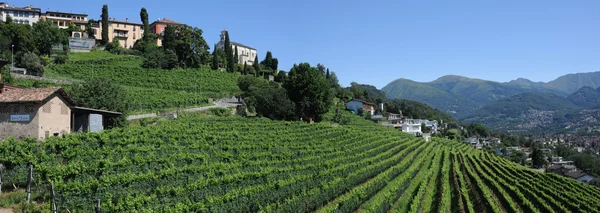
x=54 y=210
x=12 y=55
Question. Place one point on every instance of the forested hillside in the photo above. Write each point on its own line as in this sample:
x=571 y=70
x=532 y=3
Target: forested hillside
x=198 y=164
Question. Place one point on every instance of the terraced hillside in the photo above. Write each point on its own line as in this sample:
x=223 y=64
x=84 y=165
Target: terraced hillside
x=199 y=164
x=149 y=88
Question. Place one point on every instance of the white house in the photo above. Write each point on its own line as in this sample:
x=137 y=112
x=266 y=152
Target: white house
x=20 y=15
x=246 y=54
x=355 y=104
x=411 y=127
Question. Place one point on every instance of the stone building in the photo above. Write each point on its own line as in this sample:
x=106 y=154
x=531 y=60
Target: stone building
x=43 y=112
x=246 y=54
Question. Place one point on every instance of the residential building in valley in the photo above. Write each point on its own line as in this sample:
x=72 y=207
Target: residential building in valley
x=158 y=27
x=127 y=32
x=246 y=54
x=20 y=15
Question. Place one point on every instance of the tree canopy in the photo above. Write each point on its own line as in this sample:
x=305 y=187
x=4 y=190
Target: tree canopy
x=309 y=90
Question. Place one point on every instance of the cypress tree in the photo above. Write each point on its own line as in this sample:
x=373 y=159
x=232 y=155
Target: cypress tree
x=245 y=71
x=268 y=62
x=236 y=56
x=104 y=25
x=256 y=65
x=229 y=53
x=144 y=18
x=215 y=59
x=327 y=74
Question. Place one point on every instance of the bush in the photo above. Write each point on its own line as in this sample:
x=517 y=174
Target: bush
x=61 y=59
x=241 y=110
x=221 y=112
x=32 y=63
x=45 y=60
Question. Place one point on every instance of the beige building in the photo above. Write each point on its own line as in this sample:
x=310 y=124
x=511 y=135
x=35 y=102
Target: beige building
x=246 y=54
x=36 y=113
x=63 y=20
x=127 y=32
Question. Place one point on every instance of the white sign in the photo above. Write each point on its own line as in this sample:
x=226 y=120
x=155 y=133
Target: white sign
x=19 y=117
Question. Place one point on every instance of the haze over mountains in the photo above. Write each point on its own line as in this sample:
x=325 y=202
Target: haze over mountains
x=518 y=105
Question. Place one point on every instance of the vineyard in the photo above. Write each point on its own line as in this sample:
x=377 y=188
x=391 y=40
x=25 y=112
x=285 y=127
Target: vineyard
x=234 y=164
x=149 y=88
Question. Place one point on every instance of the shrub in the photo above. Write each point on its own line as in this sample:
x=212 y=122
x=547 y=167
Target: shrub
x=221 y=112
x=61 y=59
x=241 y=110
x=32 y=63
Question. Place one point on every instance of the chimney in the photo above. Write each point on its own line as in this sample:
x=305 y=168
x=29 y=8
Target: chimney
x=126 y=19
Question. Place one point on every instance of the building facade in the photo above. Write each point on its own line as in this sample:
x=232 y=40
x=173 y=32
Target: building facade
x=20 y=15
x=126 y=32
x=36 y=113
x=355 y=104
x=158 y=28
x=64 y=20
x=246 y=54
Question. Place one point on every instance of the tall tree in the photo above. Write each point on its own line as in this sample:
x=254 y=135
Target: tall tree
x=144 y=18
x=215 y=59
x=236 y=57
x=268 y=61
x=169 y=41
x=99 y=93
x=245 y=71
x=309 y=91
x=229 y=54
x=104 y=25
x=327 y=75
x=256 y=65
x=274 y=64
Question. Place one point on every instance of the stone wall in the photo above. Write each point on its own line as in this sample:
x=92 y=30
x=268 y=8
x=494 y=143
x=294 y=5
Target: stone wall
x=19 y=129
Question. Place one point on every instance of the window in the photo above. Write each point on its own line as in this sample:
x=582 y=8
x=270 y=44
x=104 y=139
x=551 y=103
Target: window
x=118 y=25
x=26 y=21
x=16 y=109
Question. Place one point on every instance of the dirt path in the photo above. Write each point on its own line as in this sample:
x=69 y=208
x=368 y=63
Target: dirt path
x=6 y=210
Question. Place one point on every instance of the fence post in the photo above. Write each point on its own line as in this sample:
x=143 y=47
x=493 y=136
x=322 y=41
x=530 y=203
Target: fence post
x=98 y=210
x=54 y=210
x=29 y=180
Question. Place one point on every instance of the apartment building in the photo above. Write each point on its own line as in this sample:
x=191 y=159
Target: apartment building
x=127 y=32
x=63 y=20
x=20 y=15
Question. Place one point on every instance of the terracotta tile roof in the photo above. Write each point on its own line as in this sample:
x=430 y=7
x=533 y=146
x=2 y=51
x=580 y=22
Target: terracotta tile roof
x=31 y=95
x=165 y=21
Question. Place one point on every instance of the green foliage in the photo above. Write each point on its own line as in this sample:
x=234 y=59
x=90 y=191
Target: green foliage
x=538 y=159
x=46 y=35
x=241 y=110
x=309 y=90
x=281 y=76
x=229 y=54
x=221 y=112
x=267 y=99
x=188 y=44
x=61 y=59
x=89 y=30
x=32 y=63
x=100 y=93
x=104 y=16
x=215 y=59
x=6 y=76
x=268 y=61
x=585 y=97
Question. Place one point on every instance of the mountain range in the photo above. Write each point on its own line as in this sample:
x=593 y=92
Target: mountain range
x=460 y=96
x=569 y=102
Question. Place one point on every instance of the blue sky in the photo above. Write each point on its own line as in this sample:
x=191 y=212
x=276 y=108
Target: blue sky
x=374 y=42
